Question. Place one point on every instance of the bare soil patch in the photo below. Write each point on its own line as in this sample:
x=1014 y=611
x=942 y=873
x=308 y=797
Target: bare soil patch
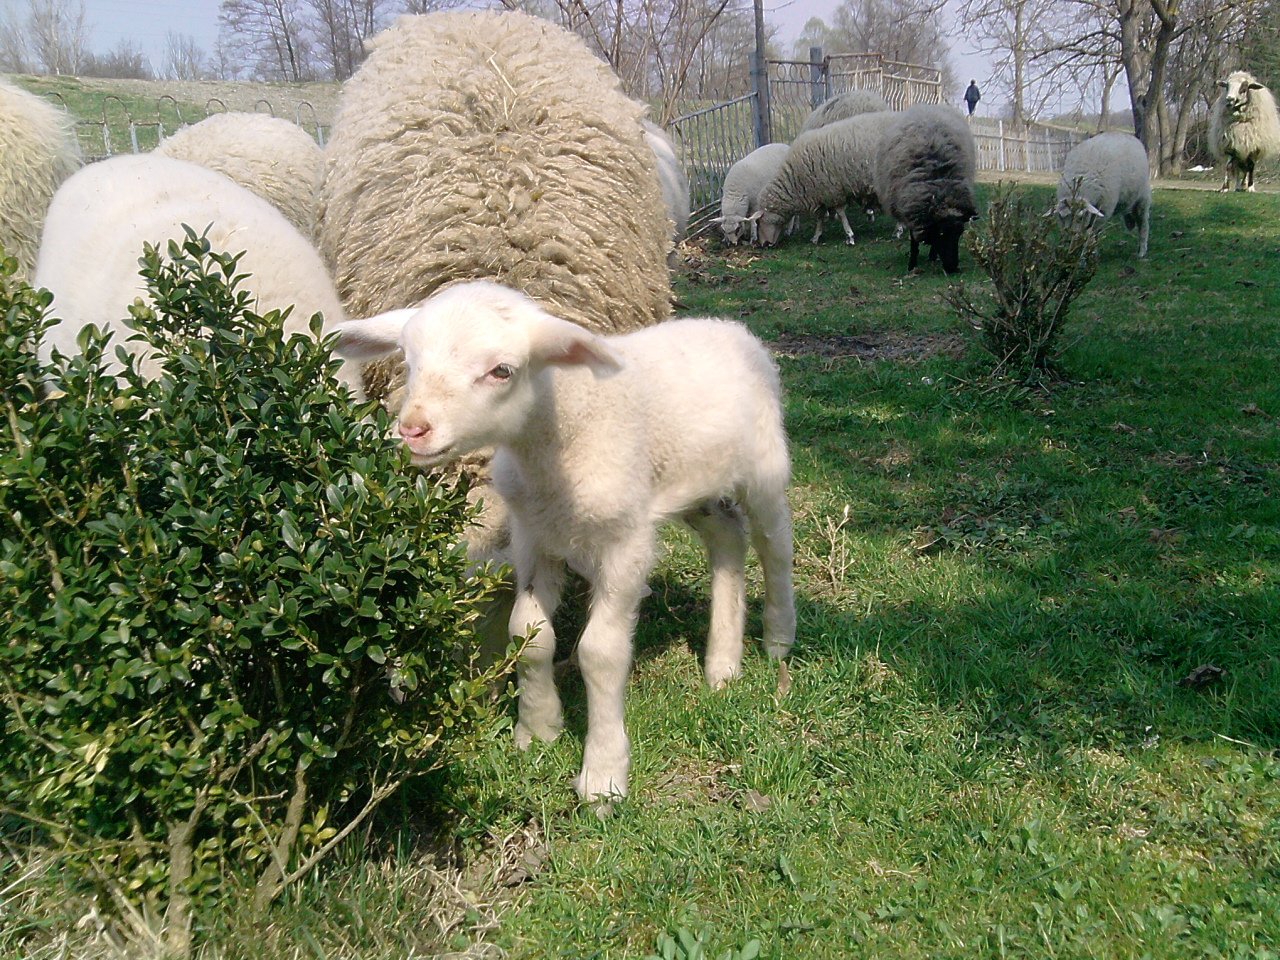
x=871 y=345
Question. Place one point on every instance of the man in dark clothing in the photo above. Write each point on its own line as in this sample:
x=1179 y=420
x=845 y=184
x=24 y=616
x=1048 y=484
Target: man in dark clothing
x=972 y=96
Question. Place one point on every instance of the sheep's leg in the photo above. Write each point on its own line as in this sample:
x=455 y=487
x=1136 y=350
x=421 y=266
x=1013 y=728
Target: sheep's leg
x=537 y=597
x=604 y=655
x=1144 y=229
x=914 y=260
x=817 y=230
x=771 y=537
x=844 y=222
x=723 y=532
x=1248 y=177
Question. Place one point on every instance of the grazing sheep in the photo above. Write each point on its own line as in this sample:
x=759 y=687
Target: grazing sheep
x=843 y=106
x=741 y=190
x=1111 y=174
x=274 y=158
x=1243 y=128
x=38 y=150
x=924 y=177
x=826 y=169
x=599 y=440
x=100 y=218
x=675 y=185
x=490 y=144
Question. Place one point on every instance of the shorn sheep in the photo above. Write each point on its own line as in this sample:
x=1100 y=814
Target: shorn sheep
x=843 y=106
x=274 y=158
x=599 y=440
x=100 y=218
x=1110 y=173
x=826 y=169
x=924 y=177
x=1243 y=128
x=38 y=150
x=739 y=197
x=474 y=145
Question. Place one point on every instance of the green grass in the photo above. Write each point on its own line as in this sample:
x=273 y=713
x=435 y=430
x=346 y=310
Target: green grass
x=985 y=752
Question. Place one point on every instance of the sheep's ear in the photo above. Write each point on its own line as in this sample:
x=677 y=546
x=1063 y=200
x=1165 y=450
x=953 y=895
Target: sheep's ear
x=552 y=340
x=371 y=338
x=757 y=215
x=1255 y=86
x=718 y=219
x=1223 y=84
x=1090 y=208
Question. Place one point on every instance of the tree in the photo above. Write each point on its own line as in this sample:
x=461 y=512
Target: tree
x=906 y=31
x=127 y=61
x=271 y=36
x=341 y=28
x=183 y=60
x=1020 y=36
x=57 y=35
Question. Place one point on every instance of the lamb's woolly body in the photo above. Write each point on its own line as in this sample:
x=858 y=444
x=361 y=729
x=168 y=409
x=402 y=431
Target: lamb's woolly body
x=599 y=440
x=1111 y=172
x=742 y=186
x=826 y=169
x=924 y=174
x=1244 y=128
x=38 y=150
x=100 y=218
x=675 y=185
x=274 y=158
x=493 y=144
x=843 y=106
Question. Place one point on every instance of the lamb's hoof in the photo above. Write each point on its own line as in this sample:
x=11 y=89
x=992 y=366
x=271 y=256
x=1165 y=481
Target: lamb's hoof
x=849 y=242
x=526 y=733
x=600 y=789
x=719 y=674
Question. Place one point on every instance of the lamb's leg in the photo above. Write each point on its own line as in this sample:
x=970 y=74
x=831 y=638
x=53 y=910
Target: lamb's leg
x=540 y=580
x=844 y=222
x=604 y=655
x=721 y=527
x=771 y=536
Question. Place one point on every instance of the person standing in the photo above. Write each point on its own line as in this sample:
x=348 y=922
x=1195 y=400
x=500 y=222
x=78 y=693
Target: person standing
x=972 y=96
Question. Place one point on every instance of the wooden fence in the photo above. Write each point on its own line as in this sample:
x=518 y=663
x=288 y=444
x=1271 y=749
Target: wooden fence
x=1025 y=148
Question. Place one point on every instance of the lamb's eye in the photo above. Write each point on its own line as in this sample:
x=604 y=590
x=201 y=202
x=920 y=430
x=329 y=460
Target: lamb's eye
x=502 y=371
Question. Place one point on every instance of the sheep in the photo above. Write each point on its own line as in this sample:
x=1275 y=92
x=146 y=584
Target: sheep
x=485 y=144
x=274 y=158
x=924 y=173
x=675 y=185
x=599 y=440
x=1243 y=128
x=741 y=190
x=843 y=106
x=38 y=150
x=101 y=216
x=827 y=168
x=1110 y=173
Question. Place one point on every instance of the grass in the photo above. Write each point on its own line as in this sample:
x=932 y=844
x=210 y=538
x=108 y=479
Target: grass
x=986 y=751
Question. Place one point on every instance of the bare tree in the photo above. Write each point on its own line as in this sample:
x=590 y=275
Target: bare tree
x=15 y=52
x=908 y=31
x=271 y=36
x=127 y=61
x=341 y=28
x=1020 y=36
x=183 y=59
x=57 y=35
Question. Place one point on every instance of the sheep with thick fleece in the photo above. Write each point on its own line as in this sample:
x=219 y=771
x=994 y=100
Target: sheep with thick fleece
x=741 y=191
x=1244 y=128
x=924 y=174
x=38 y=150
x=599 y=440
x=486 y=144
x=101 y=217
x=843 y=106
x=1111 y=175
x=675 y=185
x=826 y=169
x=274 y=158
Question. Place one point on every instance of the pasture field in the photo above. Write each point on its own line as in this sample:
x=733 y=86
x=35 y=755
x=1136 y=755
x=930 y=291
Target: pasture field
x=998 y=741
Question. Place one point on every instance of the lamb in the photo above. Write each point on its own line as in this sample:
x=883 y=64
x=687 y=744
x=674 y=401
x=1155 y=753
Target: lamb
x=742 y=185
x=1110 y=173
x=273 y=158
x=827 y=168
x=100 y=218
x=600 y=439
x=675 y=185
x=38 y=150
x=843 y=106
x=924 y=174
x=1243 y=128
x=485 y=144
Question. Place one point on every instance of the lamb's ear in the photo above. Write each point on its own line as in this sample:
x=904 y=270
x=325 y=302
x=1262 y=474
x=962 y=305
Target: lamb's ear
x=552 y=340
x=371 y=338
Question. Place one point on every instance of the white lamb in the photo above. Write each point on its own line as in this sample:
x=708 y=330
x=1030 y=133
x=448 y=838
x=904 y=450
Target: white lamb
x=101 y=216
x=1110 y=173
x=1244 y=128
x=599 y=440
x=742 y=186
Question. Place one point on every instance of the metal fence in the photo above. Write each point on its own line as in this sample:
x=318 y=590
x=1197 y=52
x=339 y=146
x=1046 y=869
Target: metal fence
x=1026 y=148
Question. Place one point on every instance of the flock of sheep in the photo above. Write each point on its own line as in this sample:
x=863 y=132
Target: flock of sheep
x=499 y=217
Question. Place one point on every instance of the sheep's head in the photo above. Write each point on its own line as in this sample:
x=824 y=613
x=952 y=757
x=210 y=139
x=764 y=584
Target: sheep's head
x=769 y=227
x=473 y=353
x=732 y=227
x=937 y=211
x=1238 y=88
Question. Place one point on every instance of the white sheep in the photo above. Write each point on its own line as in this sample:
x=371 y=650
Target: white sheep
x=599 y=440
x=1111 y=174
x=924 y=174
x=843 y=106
x=675 y=185
x=38 y=150
x=101 y=216
x=274 y=158
x=741 y=190
x=826 y=169
x=1243 y=128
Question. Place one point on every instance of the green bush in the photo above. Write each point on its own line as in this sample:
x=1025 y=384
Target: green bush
x=233 y=622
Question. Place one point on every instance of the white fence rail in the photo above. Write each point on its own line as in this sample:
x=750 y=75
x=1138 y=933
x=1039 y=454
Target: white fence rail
x=1025 y=148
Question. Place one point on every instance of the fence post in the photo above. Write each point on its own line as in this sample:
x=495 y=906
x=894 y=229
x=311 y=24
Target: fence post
x=760 y=80
x=1000 y=134
x=817 y=79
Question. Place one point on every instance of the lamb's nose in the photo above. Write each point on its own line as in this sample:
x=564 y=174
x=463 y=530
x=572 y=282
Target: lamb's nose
x=414 y=431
